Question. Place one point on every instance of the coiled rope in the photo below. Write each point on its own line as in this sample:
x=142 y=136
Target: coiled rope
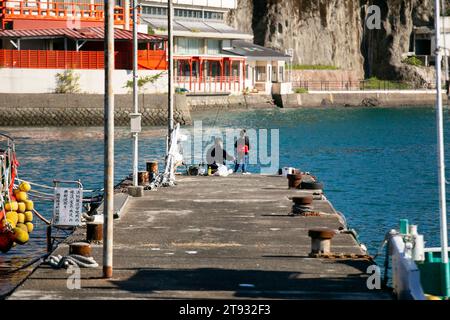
x=59 y=261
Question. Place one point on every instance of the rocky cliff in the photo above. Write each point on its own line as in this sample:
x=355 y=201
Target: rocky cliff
x=334 y=32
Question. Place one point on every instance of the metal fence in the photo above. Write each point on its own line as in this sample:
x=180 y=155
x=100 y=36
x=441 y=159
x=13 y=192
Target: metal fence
x=380 y=85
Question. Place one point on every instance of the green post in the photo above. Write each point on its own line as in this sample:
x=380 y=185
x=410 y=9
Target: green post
x=445 y=279
x=404 y=226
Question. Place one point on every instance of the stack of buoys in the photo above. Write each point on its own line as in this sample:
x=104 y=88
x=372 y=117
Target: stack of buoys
x=16 y=219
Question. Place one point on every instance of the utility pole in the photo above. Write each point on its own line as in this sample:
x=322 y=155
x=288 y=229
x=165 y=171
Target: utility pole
x=126 y=14
x=108 y=141
x=171 y=65
x=136 y=115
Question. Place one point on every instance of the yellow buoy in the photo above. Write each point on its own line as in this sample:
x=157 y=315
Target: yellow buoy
x=22 y=226
x=20 y=218
x=13 y=216
x=11 y=206
x=21 y=196
x=20 y=236
x=25 y=187
x=28 y=216
x=21 y=207
x=30 y=226
x=29 y=205
x=12 y=223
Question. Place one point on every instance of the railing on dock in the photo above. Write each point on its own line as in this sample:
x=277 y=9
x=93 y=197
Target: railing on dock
x=361 y=85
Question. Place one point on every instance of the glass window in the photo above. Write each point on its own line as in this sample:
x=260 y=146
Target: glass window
x=260 y=73
x=213 y=46
x=281 y=76
x=189 y=46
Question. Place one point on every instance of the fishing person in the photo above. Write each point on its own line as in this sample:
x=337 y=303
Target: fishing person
x=242 y=147
x=217 y=155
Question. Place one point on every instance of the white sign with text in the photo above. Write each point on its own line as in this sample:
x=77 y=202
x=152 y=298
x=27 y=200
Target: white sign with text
x=68 y=206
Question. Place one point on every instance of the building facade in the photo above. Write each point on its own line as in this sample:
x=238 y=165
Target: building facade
x=210 y=56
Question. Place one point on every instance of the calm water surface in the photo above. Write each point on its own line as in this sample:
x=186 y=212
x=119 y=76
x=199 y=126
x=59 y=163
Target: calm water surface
x=378 y=165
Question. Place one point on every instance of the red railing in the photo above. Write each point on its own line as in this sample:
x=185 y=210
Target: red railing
x=36 y=10
x=152 y=59
x=43 y=59
x=53 y=59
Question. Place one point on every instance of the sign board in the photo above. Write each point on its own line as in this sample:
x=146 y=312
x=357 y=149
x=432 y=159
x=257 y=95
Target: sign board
x=68 y=206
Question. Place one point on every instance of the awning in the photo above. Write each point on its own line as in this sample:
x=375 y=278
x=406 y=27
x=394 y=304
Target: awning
x=90 y=33
x=197 y=29
x=255 y=52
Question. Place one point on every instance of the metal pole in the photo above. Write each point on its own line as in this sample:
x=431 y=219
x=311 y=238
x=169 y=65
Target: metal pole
x=135 y=95
x=445 y=283
x=126 y=14
x=109 y=142
x=171 y=91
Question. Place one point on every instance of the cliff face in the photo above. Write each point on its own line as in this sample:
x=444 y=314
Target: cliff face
x=333 y=32
x=383 y=49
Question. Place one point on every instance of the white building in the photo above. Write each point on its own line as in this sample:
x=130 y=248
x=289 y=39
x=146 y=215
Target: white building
x=212 y=57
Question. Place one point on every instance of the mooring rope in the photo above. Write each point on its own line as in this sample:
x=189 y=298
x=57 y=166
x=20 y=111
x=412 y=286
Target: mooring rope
x=59 y=261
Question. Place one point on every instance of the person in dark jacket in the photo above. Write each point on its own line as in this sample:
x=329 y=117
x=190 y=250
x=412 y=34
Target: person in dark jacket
x=242 y=146
x=217 y=155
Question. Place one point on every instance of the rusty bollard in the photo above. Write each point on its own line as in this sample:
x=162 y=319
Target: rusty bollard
x=94 y=231
x=81 y=249
x=321 y=241
x=294 y=180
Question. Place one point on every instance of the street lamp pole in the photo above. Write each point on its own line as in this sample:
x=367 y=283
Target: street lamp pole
x=135 y=96
x=108 y=141
x=171 y=65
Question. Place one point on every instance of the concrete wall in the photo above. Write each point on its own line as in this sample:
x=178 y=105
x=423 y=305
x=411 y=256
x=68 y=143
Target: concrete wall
x=325 y=75
x=203 y=103
x=91 y=81
x=357 y=99
x=85 y=110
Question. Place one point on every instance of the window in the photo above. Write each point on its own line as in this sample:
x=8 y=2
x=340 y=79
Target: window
x=213 y=46
x=260 y=73
x=226 y=44
x=189 y=46
x=281 y=76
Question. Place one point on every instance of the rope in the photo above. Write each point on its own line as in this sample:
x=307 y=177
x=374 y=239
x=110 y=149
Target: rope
x=40 y=216
x=52 y=188
x=59 y=261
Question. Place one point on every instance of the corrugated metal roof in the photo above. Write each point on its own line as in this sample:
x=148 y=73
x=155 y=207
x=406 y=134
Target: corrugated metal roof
x=251 y=50
x=90 y=33
x=191 y=25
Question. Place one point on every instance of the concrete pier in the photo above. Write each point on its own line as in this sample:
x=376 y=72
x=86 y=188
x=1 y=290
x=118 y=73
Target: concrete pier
x=216 y=237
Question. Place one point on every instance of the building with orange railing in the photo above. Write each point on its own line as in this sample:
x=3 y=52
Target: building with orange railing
x=210 y=56
x=66 y=48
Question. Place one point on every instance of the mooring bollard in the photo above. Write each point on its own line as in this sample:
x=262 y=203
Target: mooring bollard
x=321 y=241
x=136 y=191
x=294 y=180
x=94 y=232
x=80 y=248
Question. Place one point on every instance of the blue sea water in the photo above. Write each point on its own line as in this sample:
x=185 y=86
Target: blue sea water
x=378 y=165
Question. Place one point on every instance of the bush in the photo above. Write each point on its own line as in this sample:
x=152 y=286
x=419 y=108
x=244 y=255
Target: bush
x=67 y=82
x=413 y=61
x=301 y=90
x=142 y=81
x=313 y=67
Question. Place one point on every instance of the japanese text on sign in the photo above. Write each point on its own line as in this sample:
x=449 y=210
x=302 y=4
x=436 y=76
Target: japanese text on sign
x=68 y=206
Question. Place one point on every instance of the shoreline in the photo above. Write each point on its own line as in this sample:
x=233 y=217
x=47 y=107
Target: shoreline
x=82 y=110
